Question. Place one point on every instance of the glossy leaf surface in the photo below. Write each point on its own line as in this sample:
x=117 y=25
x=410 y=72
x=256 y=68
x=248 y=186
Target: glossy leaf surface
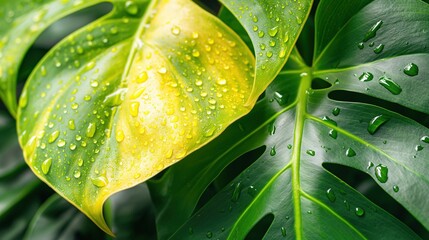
x=21 y=22
x=361 y=107
x=129 y=95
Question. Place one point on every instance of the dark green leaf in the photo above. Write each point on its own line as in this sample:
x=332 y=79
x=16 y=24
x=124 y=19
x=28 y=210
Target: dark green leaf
x=322 y=115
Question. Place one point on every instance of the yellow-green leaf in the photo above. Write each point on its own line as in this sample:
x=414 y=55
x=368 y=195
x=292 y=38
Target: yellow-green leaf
x=129 y=95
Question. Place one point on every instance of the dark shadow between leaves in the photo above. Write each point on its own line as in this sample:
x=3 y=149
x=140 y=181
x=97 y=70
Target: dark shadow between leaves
x=340 y=95
x=319 y=83
x=228 y=174
x=366 y=185
x=259 y=229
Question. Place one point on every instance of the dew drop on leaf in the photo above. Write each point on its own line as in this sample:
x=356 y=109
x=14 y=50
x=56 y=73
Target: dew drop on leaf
x=395 y=188
x=280 y=98
x=336 y=111
x=311 y=152
x=331 y=195
x=273 y=31
x=90 y=130
x=329 y=121
x=350 y=152
x=120 y=136
x=419 y=148
x=425 y=139
x=379 y=48
x=271 y=128
x=71 y=124
x=376 y=123
x=76 y=174
x=131 y=8
x=175 y=30
x=80 y=162
x=283 y=230
x=411 y=69
x=370 y=165
x=209 y=234
x=346 y=204
x=273 y=151
x=372 y=31
x=381 y=172
x=366 y=77
x=46 y=165
x=359 y=211
x=53 y=136
x=333 y=133
x=72 y=146
x=61 y=143
x=100 y=181
x=252 y=191
x=236 y=193
x=361 y=45
x=390 y=85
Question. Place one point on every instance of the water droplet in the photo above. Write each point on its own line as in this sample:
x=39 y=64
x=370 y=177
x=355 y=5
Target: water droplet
x=280 y=98
x=419 y=148
x=94 y=83
x=61 y=143
x=252 y=191
x=90 y=65
x=131 y=8
x=411 y=69
x=336 y=111
x=80 y=162
x=346 y=204
x=175 y=30
x=114 y=30
x=71 y=125
x=311 y=152
x=359 y=211
x=360 y=45
x=331 y=195
x=329 y=121
x=376 y=123
x=120 y=135
x=195 y=53
x=372 y=31
x=209 y=132
x=350 y=152
x=395 y=188
x=269 y=54
x=134 y=109
x=74 y=106
x=273 y=151
x=90 y=130
x=333 y=133
x=76 y=174
x=370 y=165
x=43 y=71
x=100 y=181
x=289 y=146
x=366 y=77
x=381 y=172
x=261 y=34
x=371 y=44
x=209 y=234
x=46 y=165
x=271 y=128
x=255 y=19
x=273 y=31
x=236 y=193
x=379 y=48
x=53 y=136
x=72 y=146
x=425 y=139
x=283 y=230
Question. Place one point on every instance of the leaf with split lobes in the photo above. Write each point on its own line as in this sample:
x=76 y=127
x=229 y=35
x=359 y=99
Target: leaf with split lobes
x=273 y=26
x=132 y=102
x=21 y=22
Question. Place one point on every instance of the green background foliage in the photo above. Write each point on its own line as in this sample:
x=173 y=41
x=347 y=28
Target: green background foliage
x=336 y=147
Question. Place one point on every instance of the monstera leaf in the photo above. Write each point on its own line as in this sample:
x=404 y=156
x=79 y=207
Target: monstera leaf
x=362 y=104
x=130 y=94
